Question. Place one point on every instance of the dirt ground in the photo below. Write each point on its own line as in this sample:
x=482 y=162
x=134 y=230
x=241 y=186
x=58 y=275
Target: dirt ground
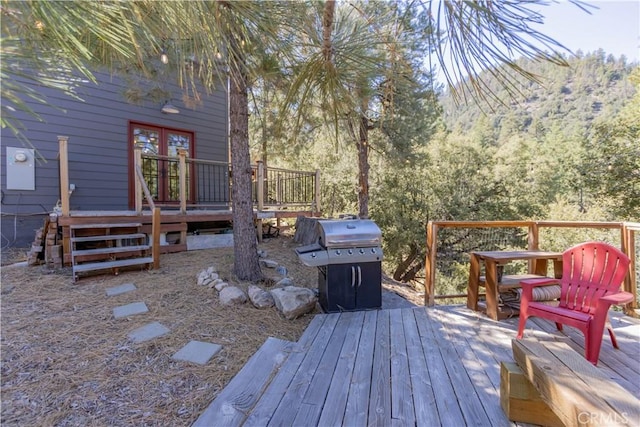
x=66 y=361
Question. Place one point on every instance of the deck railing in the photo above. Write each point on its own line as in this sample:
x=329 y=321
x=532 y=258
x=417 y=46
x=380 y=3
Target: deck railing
x=197 y=183
x=276 y=188
x=449 y=244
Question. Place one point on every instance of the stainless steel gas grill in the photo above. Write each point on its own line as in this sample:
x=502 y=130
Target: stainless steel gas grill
x=348 y=255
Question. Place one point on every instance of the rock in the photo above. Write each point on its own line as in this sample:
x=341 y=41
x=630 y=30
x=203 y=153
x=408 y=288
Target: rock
x=268 y=263
x=205 y=277
x=294 y=301
x=284 y=282
x=259 y=297
x=262 y=253
x=232 y=295
x=221 y=285
x=282 y=270
x=202 y=277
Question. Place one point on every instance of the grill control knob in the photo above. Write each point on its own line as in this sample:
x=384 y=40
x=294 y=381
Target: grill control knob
x=373 y=250
x=313 y=255
x=362 y=251
x=350 y=251
x=338 y=252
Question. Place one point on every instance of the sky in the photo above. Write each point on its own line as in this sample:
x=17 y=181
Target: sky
x=613 y=25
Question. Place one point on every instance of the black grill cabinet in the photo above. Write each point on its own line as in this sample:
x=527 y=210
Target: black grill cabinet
x=349 y=260
x=350 y=287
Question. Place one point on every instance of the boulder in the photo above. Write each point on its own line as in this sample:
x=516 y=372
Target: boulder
x=259 y=297
x=232 y=295
x=294 y=301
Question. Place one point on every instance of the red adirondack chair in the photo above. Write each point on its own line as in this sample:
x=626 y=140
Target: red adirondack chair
x=592 y=273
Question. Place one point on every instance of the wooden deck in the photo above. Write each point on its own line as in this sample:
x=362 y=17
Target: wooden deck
x=404 y=367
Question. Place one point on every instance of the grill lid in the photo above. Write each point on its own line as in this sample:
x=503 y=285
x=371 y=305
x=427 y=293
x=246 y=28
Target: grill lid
x=351 y=233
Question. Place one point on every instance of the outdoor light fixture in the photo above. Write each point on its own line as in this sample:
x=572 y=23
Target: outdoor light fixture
x=164 y=58
x=169 y=108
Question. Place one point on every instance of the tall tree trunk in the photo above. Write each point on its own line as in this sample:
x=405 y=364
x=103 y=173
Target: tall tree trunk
x=327 y=28
x=363 y=167
x=245 y=263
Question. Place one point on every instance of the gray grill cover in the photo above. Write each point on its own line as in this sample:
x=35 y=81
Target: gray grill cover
x=350 y=233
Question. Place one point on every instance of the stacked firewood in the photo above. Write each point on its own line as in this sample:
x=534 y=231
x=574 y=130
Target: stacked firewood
x=47 y=246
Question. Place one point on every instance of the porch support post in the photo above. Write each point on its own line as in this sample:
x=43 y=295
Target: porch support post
x=182 y=172
x=137 y=164
x=64 y=173
x=317 y=193
x=260 y=186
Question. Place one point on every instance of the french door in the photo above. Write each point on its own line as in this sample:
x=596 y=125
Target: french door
x=160 y=164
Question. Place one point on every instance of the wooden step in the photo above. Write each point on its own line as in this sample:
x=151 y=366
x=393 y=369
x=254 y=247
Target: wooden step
x=92 y=266
x=122 y=225
x=108 y=237
x=230 y=406
x=111 y=250
x=270 y=399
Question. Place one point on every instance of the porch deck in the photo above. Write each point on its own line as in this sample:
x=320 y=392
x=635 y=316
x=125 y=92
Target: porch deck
x=415 y=366
x=172 y=222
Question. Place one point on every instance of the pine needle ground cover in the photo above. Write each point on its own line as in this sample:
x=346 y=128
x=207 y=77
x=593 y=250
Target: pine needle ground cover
x=67 y=361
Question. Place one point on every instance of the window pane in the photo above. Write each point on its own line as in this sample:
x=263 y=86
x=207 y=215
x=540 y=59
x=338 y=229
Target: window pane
x=177 y=142
x=147 y=139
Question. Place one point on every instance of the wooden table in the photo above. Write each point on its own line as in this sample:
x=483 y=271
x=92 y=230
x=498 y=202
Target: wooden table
x=538 y=261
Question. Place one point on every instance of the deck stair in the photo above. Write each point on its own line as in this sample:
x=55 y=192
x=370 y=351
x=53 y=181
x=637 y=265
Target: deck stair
x=270 y=370
x=108 y=246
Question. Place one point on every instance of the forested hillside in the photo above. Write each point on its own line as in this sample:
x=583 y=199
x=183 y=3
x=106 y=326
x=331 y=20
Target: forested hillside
x=594 y=86
x=564 y=148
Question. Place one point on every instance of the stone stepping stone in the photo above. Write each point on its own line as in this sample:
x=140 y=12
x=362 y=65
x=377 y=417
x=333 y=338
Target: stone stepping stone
x=130 y=310
x=117 y=290
x=197 y=352
x=148 y=332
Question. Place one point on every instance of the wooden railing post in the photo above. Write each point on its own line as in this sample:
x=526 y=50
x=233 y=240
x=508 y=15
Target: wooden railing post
x=155 y=237
x=533 y=238
x=317 y=192
x=137 y=164
x=533 y=242
x=182 y=174
x=64 y=173
x=629 y=248
x=430 y=265
x=260 y=185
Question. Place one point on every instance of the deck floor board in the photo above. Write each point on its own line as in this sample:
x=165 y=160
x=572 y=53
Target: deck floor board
x=414 y=366
x=336 y=402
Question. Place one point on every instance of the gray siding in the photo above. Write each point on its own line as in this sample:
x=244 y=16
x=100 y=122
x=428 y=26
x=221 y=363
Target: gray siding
x=98 y=148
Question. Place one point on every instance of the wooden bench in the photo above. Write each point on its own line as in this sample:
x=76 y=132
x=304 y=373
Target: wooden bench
x=556 y=385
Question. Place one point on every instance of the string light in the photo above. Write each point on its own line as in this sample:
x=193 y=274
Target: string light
x=164 y=58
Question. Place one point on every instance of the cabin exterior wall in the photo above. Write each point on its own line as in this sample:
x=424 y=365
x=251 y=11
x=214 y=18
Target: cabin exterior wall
x=98 y=148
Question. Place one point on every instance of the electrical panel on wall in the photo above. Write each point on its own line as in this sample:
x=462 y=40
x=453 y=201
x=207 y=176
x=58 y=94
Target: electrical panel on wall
x=21 y=169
